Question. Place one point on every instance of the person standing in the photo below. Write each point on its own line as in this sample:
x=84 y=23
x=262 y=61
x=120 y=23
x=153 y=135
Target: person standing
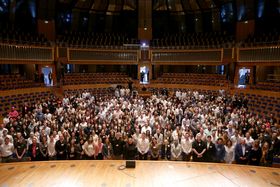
x=44 y=149
x=143 y=147
x=186 y=144
x=176 y=150
x=220 y=151
x=90 y=149
x=72 y=150
x=6 y=150
x=255 y=154
x=99 y=149
x=199 y=149
x=61 y=148
x=242 y=152
x=117 y=144
x=267 y=155
x=154 y=149
x=166 y=150
x=34 y=150
x=210 y=150
x=107 y=150
x=50 y=78
x=20 y=147
x=130 y=150
x=229 y=156
x=51 y=148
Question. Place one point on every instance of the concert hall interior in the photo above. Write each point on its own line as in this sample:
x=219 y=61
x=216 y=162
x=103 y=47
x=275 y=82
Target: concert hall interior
x=139 y=93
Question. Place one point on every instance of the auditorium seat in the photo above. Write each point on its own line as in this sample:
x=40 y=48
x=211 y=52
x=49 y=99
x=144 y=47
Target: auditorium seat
x=95 y=78
x=12 y=35
x=17 y=100
x=15 y=81
x=96 y=40
x=193 y=41
x=192 y=79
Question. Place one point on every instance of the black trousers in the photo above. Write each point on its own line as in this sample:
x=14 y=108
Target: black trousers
x=186 y=157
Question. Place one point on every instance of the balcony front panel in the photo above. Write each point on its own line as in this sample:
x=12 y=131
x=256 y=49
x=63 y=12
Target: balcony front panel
x=25 y=53
x=185 y=56
x=102 y=55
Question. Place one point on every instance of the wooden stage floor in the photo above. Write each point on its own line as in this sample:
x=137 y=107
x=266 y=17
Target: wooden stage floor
x=146 y=173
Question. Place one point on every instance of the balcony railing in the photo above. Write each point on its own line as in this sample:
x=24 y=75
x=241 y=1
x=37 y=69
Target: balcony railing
x=102 y=55
x=26 y=53
x=259 y=54
x=13 y=53
x=213 y=55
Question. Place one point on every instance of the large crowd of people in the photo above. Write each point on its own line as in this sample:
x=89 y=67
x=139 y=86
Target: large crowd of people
x=187 y=126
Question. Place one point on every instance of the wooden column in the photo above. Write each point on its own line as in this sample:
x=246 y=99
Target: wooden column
x=145 y=20
x=47 y=28
x=245 y=28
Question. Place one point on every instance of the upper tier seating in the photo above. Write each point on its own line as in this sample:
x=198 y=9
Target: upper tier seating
x=262 y=39
x=95 y=78
x=95 y=40
x=193 y=79
x=15 y=81
x=194 y=40
x=19 y=37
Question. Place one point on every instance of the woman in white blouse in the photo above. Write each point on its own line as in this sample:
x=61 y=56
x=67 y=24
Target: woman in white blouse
x=91 y=149
x=51 y=148
x=176 y=150
x=186 y=143
x=229 y=157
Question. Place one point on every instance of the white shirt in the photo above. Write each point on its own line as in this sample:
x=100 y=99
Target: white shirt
x=142 y=121
x=89 y=148
x=1 y=131
x=186 y=146
x=176 y=150
x=143 y=145
x=249 y=141
x=159 y=137
x=175 y=135
x=7 y=149
x=235 y=140
x=51 y=149
x=10 y=137
x=48 y=116
x=229 y=156
x=144 y=129
x=6 y=121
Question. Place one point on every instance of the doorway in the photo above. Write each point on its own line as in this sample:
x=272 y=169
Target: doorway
x=47 y=76
x=144 y=75
x=244 y=77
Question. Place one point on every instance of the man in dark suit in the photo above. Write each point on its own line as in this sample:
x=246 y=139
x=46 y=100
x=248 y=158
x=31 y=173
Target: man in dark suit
x=210 y=150
x=242 y=152
x=118 y=146
x=61 y=148
x=130 y=150
x=166 y=150
x=34 y=150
